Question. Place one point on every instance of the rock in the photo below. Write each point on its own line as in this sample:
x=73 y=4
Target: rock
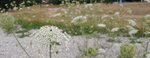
x=148 y=55
x=101 y=50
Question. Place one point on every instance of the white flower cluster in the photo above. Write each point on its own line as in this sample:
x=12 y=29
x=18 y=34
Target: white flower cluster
x=132 y=22
x=101 y=25
x=104 y=16
x=132 y=30
x=147 y=1
x=129 y=11
x=51 y=35
x=88 y=5
x=115 y=29
x=117 y=14
x=147 y=16
x=79 y=19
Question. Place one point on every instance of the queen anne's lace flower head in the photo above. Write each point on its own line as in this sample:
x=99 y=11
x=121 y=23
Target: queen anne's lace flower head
x=117 y=14
x=79 y=19
x=51 y=35
x=101 y=25
x=132 y=22
x=147 y=16
x=132 y=31
x=115 y=29
x=88 y=5
x=105 y=16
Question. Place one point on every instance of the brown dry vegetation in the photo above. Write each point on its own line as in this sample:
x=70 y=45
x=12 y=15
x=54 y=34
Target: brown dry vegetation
x=42 y=12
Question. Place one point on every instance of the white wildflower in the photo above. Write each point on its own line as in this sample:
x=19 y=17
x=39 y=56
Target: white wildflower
x=104 y=16
x=130 y=27
x=15 y=8
x=133 y=32
x=51 y=35
x=132 y=22
x=117 y=14
x=147 y=33
x=101 y=50
x=55 y=15
x=147 y=1
x=121 y=5
x=129 y=11
x=88 y=5
x=34 y=16
x=147 y=16
x=115 y=29
x=28 y=7
x=79 y=19
x=101 y=25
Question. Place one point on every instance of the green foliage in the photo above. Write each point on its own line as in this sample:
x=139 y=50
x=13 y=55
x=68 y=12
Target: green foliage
x=72 y=29
x=7 y=22
x=30 y=25
x=127 y=51
x=91 y=52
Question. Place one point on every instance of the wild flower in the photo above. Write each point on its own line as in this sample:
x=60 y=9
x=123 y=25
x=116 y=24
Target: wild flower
x=130 y=27
x=55 y=15
x=104 y=16
x=147 y=33
x=147 y=16
x=101 y=25
x=15 y=8
x=132 y=22
x=51 y=35
x=115 y=29
x=34 y=16
x=147 y=1
x=88 y=5
x=117 y=14
x=79 y=19
x=129 y=11
x=132 y=31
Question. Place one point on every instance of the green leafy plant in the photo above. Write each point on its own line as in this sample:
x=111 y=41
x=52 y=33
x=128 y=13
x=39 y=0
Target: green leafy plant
x=90 y=52
x=127 y=51
x=7 y=22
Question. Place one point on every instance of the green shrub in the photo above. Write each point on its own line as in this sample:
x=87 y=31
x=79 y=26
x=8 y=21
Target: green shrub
x=30 y=25
x=91 y=52
x=7 y=22
x=127 y=51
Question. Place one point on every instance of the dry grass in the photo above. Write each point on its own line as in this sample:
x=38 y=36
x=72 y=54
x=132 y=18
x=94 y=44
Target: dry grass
x=39 y=13
x=42 y=12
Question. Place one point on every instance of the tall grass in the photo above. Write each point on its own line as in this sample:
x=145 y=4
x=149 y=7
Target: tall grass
x=7 y=22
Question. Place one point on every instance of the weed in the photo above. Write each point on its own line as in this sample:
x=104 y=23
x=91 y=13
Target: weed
x=7 y=22
x=127 y=51
x=91 y=52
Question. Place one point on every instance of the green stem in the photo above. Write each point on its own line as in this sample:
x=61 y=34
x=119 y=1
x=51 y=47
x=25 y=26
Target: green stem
x=21 y=45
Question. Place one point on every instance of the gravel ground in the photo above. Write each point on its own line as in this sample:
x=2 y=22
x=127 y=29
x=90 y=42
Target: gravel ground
x=9 y=47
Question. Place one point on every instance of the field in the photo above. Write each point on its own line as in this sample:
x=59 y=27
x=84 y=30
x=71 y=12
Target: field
x=76 y=31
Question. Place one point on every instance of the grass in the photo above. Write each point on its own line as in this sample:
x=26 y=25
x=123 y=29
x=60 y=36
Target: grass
x=127 y=51
x=7 y=22
x=36 y=16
